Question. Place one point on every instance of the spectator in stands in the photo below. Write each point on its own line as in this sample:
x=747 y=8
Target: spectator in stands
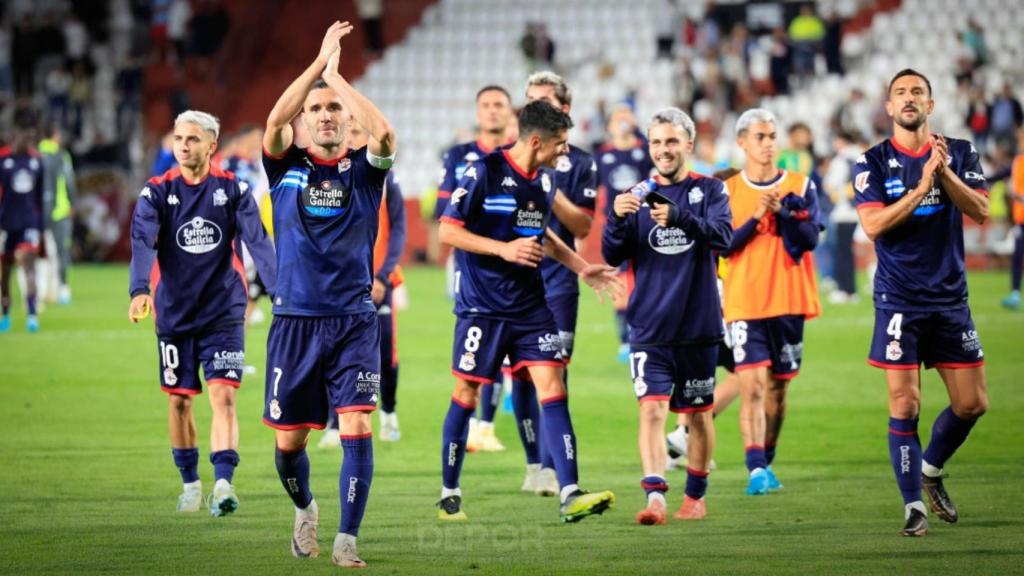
x=843 y=219
x=179 y=13
x=1005 y=117
x=667 y=25
x=370 y=12
x=79 y=95
x=853 y=115
x=780 y=61
x=57 y=84
x=538 y=48
x=806 y=33
x=978 y=119
x=833 y=43
x=6 y=81
x=23 y=55
x=798 y=156
x=974 y=41
x=76 y=40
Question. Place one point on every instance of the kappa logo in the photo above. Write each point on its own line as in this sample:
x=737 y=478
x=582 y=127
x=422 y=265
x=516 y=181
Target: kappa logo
x=696 y=195
x=457 y=195
x=509 y=181
x=231 y=374
x=219 y=197
x=243 y=186
x=146 y=193
x=173 y=200
x=698 y=400
x=470 y=173
x=861 y=181
x=862 y=159
x=894 y=163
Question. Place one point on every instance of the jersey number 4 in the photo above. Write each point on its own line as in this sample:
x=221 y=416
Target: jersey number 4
x=895 y=326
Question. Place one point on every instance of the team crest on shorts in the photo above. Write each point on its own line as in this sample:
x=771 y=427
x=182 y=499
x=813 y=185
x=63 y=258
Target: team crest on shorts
x=893 y=351
x=639 y=386
x=739 y=354
x=275 y=409
x=468 y=362
x=169 y=377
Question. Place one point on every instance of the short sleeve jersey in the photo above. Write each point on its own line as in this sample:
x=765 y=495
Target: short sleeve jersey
x=21 y=191
x=497 y=199
x=325 y=226
x=920 y=262
x=576 y=177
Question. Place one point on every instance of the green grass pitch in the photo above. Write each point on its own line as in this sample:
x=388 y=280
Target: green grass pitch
x=88 y=486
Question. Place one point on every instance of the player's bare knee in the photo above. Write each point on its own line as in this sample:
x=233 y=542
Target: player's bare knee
x=222 y=397
x=654 y=411
x=354 y=423
x=465 y=392
x=972 y=409
x=700 y=422
x=180 y=404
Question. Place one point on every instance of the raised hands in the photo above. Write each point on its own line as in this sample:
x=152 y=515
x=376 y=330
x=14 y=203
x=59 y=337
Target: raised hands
x=331 y=45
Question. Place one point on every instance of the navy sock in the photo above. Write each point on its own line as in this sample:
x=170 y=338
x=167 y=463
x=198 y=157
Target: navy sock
x=948 y=432
x=755 y=458
x=187 y=461
x=293 y=469
x=769 y=452
x=31 y=301
x=654 y=485
x=224 y=463
x=524 y=405
x=905 y=454
x=354 y=481
x=696 y=483
x=453 y=442
x=487 y=404
x=561 y=439
x=388 y=387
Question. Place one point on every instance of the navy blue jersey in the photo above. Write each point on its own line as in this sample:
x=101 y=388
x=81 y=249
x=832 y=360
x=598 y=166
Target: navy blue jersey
x=576 y=177
x=920 y=262
x=619 y=170
x=455 y=161
x=325 y=225
x=496 y=199
x=188 y=230
x=21 y=191
x=675 y=300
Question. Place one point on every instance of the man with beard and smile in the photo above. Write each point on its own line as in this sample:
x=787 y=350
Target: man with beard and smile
x=323 y=350
x=674 y=314
x=912 y=192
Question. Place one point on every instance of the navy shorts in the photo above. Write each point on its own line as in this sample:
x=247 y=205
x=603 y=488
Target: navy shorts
x=481 y=344
x=725 y=359
x=221 y=352
x=565 y=309
x=319 y=364
x=777 y=343
x=944 y=339
x=683 y=375
x=22 y=240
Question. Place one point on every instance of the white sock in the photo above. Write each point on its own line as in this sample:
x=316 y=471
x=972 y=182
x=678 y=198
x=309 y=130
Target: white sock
x=656 y=497
x=929 y=470
x=678 y=436
x=566 y=491
x=197 y=485
x=484 y=426
x=756 y=470
x=915 y=505
x=532 y=468
x=343 y=537
x=446 y=492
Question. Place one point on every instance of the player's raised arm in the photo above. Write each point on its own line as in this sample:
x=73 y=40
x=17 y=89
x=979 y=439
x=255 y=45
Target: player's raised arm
x=279 y=136
x=382 y=135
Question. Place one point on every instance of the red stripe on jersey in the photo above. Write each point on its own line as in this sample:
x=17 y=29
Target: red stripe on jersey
x=516 y=167
x=452 y=221
x=326 y=161
x=907 y=151
x=154 y=282
x=444 y=194
x=870 y=205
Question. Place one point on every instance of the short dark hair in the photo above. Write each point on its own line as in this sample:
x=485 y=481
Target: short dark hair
x=795 y=126
x=493 y=88
x=540 y=117
x=909 y=72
